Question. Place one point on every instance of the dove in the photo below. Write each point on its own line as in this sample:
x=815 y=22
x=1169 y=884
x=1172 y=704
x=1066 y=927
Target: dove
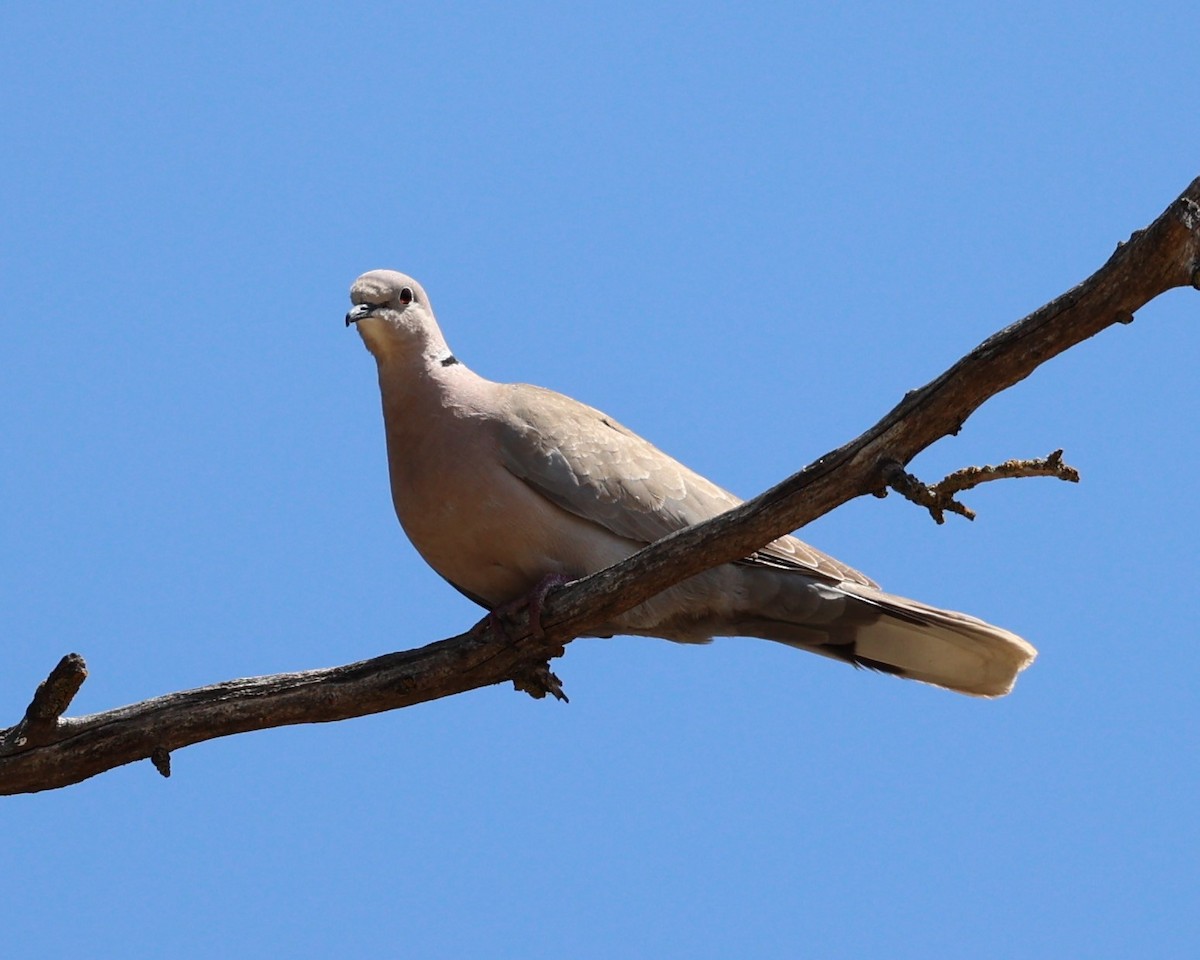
x=504 y=488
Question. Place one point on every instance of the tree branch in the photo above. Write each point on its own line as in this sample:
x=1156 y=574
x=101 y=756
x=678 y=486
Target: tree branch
x=46 y=750
x=938 y=498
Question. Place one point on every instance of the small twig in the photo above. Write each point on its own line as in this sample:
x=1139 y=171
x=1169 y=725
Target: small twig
x=938 y=498
x=922 y=494
x=538 y=680
x=55 y=693
x=50 y=701
x=968 y=477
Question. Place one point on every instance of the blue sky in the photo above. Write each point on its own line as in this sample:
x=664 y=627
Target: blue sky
x=744 y=231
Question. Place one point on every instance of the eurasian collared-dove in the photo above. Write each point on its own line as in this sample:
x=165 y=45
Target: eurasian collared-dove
x=500 y=485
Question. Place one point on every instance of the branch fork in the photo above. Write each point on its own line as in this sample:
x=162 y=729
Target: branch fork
x=939 y=499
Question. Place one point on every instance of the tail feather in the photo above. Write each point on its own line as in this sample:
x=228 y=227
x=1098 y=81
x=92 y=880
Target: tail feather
x=848 y=621
x=942 y=647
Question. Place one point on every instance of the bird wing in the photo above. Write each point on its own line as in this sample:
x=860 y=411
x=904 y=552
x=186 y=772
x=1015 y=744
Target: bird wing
x=587 y=463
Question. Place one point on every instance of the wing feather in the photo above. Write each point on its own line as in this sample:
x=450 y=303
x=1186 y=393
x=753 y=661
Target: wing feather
x=587 y=463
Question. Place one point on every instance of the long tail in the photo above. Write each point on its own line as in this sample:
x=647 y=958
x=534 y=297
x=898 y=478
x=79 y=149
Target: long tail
x=907 y=638
x=848 y=621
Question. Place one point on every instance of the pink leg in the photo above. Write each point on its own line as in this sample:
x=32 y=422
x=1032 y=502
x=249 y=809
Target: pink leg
x=536 y=598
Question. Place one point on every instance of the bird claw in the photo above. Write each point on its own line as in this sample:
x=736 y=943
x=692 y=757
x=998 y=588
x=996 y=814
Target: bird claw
x=536 y=598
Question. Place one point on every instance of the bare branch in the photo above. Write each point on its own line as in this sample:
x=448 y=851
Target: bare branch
x=41 y=723
x=969 y=477
x=938 y=498
x=922 y=494
x=55 y=693
x=46 y=750
x=85 y=746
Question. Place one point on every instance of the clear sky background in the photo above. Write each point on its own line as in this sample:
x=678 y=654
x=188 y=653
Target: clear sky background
x=743 y=230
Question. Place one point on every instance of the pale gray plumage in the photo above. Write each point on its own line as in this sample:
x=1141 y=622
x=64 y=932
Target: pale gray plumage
x=499 y=485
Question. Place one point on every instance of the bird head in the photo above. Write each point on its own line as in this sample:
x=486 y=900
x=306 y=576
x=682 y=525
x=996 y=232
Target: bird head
x=391 y=312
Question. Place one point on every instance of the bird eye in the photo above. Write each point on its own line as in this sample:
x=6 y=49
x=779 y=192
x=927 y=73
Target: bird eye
x=406 y=295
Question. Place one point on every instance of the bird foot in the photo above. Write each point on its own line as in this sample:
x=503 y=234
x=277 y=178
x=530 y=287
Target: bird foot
x=536 y=598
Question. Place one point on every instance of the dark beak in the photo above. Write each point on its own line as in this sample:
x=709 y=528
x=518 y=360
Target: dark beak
x=362 y=311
